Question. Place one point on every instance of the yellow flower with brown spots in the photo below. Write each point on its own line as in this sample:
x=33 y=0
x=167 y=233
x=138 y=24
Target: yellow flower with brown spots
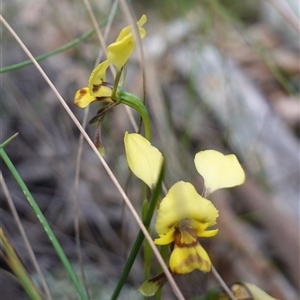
x=183 y=214
x=117 y=54
x=183 y=217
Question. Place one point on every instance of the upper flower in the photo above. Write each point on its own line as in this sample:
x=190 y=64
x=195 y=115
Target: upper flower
x=117 y=54
x=119 y=51
x=183 y=216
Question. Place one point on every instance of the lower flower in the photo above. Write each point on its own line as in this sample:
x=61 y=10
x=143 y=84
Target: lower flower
x=183 y=216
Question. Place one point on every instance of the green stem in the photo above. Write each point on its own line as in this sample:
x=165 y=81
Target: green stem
x=116 y=84
x=45 y=224
x=9 y=140
x=140 y=237
x=136 y=103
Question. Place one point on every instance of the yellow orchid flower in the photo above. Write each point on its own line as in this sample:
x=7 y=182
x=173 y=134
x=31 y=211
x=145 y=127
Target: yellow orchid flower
x=218 y=170
x=117 y=54
x=183 y=216
x=144 y=160
x=119 y=51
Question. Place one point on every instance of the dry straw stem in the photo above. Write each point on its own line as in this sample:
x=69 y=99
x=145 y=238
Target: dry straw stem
x=99 y=34
x=76 y=211
x=130 y=18
x=24 y=236
x=105 y=165
x=222 y=283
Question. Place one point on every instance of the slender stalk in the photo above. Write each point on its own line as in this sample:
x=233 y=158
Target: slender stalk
x=44 y=224
x=116 y=84
x=76 y=209
x=9 y=140
x=222 y=283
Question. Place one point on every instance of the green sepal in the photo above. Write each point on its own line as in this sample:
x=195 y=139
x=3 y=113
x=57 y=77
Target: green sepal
x=151 y=286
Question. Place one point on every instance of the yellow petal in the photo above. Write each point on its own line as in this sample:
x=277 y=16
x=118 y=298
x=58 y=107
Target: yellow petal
x=209 y=233
x=96 y=79
x=183 y=202
x=119 y=51
x=165 y=239
x=128 y=29
x=257 y=293
x=199 y=229
x=144 y=160
x=186 y=259
x=83 y=98
x=219 y=170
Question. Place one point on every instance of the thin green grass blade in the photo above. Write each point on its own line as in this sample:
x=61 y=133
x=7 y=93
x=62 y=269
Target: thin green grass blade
x=57 y=50
x=140 y=237
x=17 y=267
x=45 y=225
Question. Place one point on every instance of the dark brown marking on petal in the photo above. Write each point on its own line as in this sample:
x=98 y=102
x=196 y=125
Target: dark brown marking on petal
x=96 y=88
x=186 y=245
x=193 y=259
x=177 y=239
x=159 y=279
x=104 y=83
x=103 y=99
x=82 y=93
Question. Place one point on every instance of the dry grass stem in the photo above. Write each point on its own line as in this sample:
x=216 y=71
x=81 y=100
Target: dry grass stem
x=76 y=212
x=222 y=283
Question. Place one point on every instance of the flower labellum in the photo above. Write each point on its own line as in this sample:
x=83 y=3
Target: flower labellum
x=183 y=216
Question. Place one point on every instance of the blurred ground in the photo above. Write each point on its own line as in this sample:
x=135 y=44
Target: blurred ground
x=221 y=75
